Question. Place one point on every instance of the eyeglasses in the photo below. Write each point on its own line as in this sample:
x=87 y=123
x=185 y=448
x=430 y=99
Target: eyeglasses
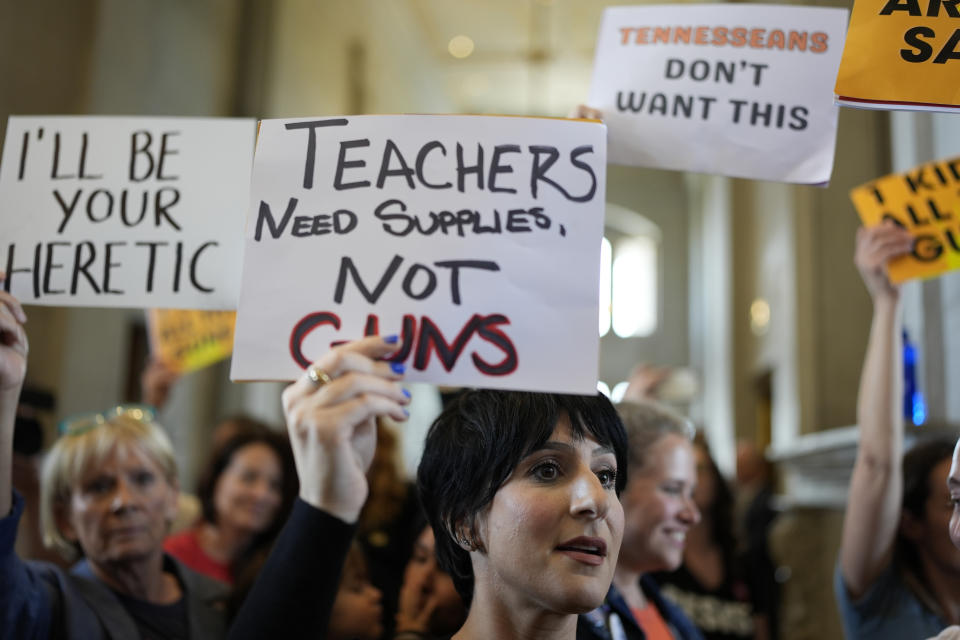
x=83 y=422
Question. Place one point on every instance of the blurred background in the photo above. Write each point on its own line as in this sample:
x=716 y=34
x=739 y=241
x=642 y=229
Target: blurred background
x=746 y=287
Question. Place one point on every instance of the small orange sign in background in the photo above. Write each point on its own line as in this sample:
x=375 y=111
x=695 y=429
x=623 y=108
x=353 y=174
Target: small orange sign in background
x=190 y=340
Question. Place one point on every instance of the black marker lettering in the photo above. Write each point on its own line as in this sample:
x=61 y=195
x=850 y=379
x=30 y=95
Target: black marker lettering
x=265 y=216
x=347 y=267
x=311 y=127
x=404 y=170
x=343 y=163
x=193 y=266
x=67 y=209
x=456 y=265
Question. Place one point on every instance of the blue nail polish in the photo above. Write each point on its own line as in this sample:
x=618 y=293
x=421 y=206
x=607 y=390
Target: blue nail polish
x=406 y=413
x=398 y=367
x=405 y=392
x=391 y=339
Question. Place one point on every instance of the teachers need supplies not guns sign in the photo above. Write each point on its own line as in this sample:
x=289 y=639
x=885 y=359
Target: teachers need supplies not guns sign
x=475 y=239
x=740 y=90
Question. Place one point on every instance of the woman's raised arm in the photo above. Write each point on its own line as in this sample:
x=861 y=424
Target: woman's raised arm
x=876 y=486
x=331 y=415
x=13 y=369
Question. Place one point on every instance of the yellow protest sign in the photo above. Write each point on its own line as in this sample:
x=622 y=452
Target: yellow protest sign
x=902 y=54
x=190 y=340
x=925 y=201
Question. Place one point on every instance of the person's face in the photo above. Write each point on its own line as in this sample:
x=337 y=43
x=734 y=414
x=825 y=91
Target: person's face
x=659 y=507
x=357 y=610
x=249 y=491
x=430 y=587
x=933 y=535
x=551 y=535
x=953 y=487
x=122 y=508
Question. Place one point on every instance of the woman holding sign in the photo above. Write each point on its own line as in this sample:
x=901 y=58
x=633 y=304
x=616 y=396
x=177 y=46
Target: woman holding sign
x=109 y=494
x=112 y=489
x=898 y=575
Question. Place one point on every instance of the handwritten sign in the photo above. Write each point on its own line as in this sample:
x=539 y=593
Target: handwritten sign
x=189 y=340
x=902 y=54
x=124 y=212
x=475 y=239
x=926 y=201
x=737 y=90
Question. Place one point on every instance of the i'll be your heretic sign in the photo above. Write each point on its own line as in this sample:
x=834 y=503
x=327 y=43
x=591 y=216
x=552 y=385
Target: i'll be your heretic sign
x=475 y=239
x=124 y=212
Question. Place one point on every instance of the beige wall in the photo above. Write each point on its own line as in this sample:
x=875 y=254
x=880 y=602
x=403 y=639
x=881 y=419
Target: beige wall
x=793 y=246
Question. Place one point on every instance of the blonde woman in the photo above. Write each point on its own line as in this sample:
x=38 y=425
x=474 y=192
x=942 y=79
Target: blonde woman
x=111 y=492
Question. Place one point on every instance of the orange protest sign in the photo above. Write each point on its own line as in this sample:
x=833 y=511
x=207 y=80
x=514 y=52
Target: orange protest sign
x=190 y=340
x=901 y=54
x=925 y=201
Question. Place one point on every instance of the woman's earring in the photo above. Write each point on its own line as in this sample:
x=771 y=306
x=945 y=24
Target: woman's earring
x=465 y=543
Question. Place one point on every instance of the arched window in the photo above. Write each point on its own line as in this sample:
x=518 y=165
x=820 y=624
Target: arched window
x=629 y=274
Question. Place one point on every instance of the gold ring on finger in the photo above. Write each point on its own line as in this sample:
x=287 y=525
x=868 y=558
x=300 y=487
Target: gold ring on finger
x=318 y=376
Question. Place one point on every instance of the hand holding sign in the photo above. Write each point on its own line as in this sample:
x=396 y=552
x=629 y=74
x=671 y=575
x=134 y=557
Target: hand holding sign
x=876 y=247
x=13 y=345
x=332 y=425
x=156 y=382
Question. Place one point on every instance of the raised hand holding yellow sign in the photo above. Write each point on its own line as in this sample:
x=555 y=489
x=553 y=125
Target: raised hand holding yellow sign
x=926 y=202
x=902 y=54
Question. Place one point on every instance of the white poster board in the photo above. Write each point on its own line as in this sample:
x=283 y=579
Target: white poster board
x=124 y=212
x=475 y=239
x=739 y=90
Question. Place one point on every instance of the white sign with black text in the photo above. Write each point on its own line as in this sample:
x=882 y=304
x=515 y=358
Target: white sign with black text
x=103 y=211
x=740 y=90
x=475 y=239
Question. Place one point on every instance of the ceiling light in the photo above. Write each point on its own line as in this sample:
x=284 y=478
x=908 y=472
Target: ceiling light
x=759 y=317
x=460 y=46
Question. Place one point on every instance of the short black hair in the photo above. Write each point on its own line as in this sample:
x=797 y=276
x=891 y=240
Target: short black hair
x=473 y=447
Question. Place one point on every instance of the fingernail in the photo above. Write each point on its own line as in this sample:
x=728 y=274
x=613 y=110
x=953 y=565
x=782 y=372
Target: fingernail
x=405 y=392
x=398 y=367
x=406 y=413
x=391 y=339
